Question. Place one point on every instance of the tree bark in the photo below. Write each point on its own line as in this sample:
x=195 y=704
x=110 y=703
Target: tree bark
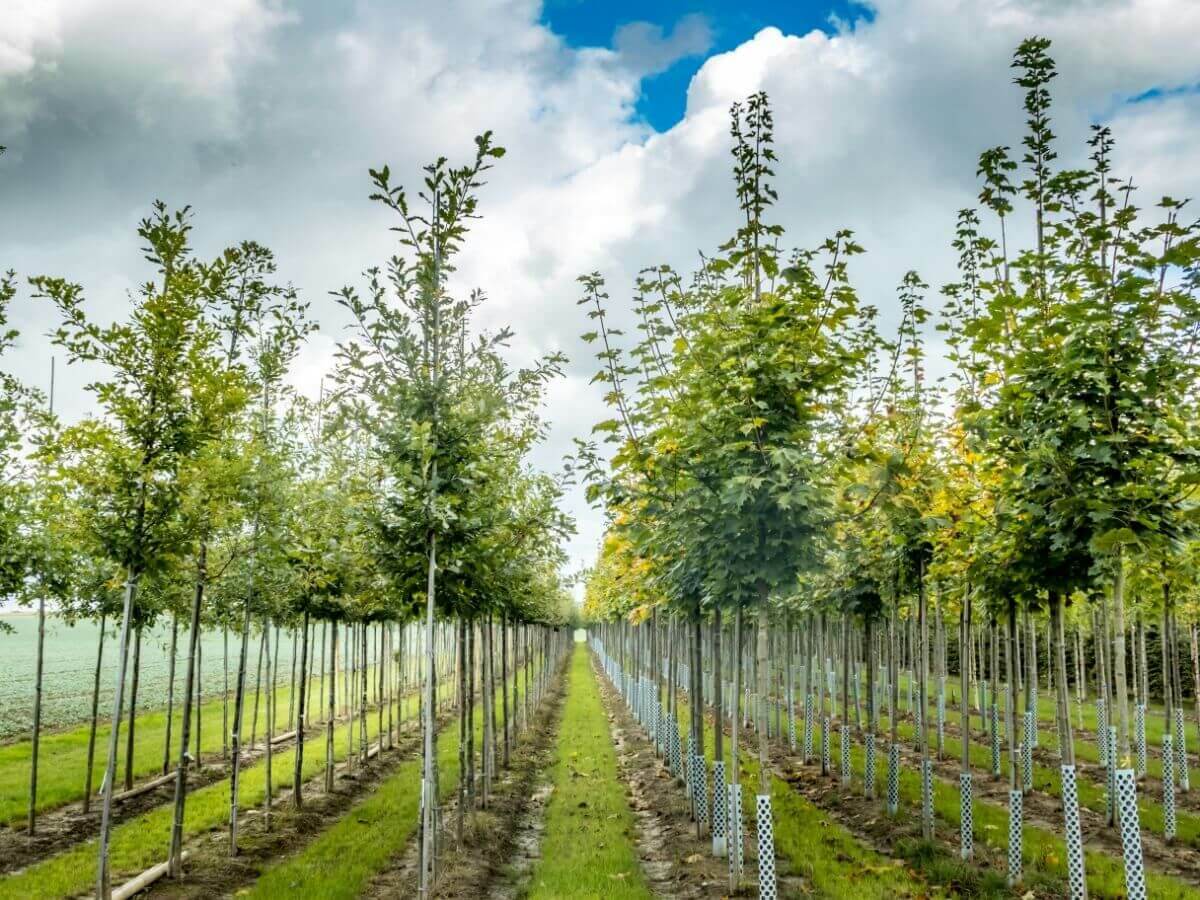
x=175 y=851
x=91 y=751
x=37 y=715
x=301 y=716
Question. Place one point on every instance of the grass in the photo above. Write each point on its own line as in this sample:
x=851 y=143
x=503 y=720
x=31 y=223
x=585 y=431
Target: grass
x=62 y=768
x=1043 y=851
x=142 y=841
x=340 y=862
x=829 y=856
x=588 y=848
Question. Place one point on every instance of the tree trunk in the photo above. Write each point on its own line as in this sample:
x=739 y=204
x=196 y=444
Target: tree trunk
x=175 y=851
x=429 y=794
x=331 y=713
x=735 y=775
x=91 y=751
x=103 y=884
x=503 y=682
x=1118 y=595
x=269 y=707
x=301 y=716
x=238 y=724
x=166 y=766
x=37 y=715
x=718 y=689
x=133 y=693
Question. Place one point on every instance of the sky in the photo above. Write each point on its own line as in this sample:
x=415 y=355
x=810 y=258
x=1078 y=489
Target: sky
x=265 y=115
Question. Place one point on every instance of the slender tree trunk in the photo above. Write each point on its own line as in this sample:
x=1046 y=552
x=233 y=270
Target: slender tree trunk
x=166 y=766
x=262 y=643
x=269 y=709
x=735 y=775
x=175 y=851
x=103 y=883
x=331 y=712
x=91 y=751
x=225 y=695
x=503 y=676
x=301 y=716
x=238 y=724
x=429 y=792
x=718 y=689
x=133 y=693
x=37 y=715
x=463 y=725
x=1118 y=595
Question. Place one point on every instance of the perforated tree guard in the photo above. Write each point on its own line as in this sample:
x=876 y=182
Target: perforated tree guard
x=910 y=692
x=893 y=780
x=791 y=716
x=966 y=815
x=995 y=741
x=1076 y=877
x=1102 y=728
x=825 y=745
x=1168 y=782
x=766 y=848
x=737 y=840
x=927 y=797
x=1181 y=766
x=919 y=714
x=1131 y=838
x=869 y=766
x=1139 y=724
x=1027 y=767
x=689 y=760
x=720 y=810
x=845 y=761
x=1014 y=837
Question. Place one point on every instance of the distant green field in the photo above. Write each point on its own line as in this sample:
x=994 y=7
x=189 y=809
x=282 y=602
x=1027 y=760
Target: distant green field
x=70 y=668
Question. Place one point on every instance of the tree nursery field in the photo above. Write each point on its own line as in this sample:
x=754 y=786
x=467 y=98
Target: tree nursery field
x=853 y=631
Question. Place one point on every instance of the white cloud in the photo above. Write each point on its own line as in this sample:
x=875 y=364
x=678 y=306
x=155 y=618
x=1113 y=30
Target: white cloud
x=265 y=116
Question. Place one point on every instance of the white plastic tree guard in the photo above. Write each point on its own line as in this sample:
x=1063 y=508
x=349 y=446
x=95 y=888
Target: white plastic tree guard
x=893 y=781
x=767 y=887
x=736 y=832
x=1168 y=782
x=1131 y=838
x=966 y=815
x=720 y=810
x=1015 y=804
x=869 y=766
x=845 y=761
x=1076 y=876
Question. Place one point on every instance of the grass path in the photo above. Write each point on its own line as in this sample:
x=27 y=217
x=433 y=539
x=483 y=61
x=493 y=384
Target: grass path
x=340 y=862
x=815 y=846
x=62 y=768
x=588 y=849
x=142 y=841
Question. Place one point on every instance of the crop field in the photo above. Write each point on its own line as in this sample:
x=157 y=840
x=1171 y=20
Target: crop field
x=70 y=670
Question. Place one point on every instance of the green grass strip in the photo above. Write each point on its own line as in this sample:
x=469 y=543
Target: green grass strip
x=142 y=841
x=834 y=861
x=62 y=768
x=588 y=847
x=340 y=862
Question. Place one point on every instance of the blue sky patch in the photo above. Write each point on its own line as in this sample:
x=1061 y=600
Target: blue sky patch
x=692 y=29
